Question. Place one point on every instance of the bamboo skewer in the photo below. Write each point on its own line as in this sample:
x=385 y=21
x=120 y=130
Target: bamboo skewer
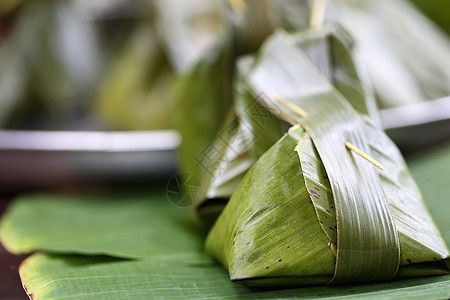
x=317 y=14
x=353 y=148
x=292 y=106
x=349 y=145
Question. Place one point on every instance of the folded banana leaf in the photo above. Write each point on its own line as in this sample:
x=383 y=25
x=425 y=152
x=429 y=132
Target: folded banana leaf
x=315 y=209
x=406 y=55
x=252 y=129
x=188 y=29
x=202 y=100
x=204 y=113
x=248 y=134
x=214 y=158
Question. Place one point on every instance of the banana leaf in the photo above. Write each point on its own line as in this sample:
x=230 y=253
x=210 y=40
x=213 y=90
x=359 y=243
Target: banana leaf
x=436 y=11
x=204 y=92
x=202 y=103
x=126 y=225
x=374 y=213
x=186 y=272
x=136 y=93
x=397 y=76
x=48 y=276
x=188 y=29
x=256 y=129
x=249 y=132
x=204 y=113
x=406 y=55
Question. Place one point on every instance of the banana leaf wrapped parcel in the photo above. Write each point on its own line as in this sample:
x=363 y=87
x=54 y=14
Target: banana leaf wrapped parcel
x=332 y=200
x=254 y=129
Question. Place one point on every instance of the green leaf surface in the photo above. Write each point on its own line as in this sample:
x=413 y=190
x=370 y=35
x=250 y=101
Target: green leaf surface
x=254 y=129
x=203 y=99
x=194 y=276
x=432 y=173
x=318 y=187
x=238 y=146
x=129 y=226
x=190 y=274
x=257 y=237
x=368 y=247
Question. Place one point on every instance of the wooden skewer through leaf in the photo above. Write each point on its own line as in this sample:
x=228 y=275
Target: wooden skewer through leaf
x=352 y=147
x=317 y=13
x=349 y=145
x=291 y=105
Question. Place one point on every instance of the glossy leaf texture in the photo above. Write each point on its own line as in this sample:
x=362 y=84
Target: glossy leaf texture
x=257 y=235
x=189 y=273
x=249 y=132
x=203 y=99
x=363 y=203
x=129 y=226
x=251 y=128
x=406 y=55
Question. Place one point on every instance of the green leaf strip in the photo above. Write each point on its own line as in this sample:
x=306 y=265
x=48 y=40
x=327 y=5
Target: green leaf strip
x=368 y=245
x=319 y=189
